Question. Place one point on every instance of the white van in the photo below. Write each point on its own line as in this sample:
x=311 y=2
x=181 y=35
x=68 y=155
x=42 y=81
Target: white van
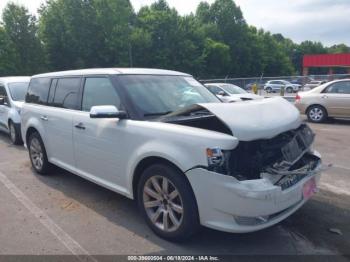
x=162 y=138
x=12 y=93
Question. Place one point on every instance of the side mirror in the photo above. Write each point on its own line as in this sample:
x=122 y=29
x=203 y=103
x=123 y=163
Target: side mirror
x=106 y=112
x=2 y=101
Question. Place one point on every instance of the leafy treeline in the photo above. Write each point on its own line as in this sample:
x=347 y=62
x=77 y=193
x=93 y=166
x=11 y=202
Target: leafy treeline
x=214 y=42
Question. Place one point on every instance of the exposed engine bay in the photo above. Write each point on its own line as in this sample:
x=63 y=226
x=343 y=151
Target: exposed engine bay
x=285 y=158
x=285 y=154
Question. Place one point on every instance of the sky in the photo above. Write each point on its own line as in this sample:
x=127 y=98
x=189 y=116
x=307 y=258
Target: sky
x=327 y=21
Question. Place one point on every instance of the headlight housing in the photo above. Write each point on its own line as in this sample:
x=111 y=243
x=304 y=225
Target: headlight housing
x=218 y=160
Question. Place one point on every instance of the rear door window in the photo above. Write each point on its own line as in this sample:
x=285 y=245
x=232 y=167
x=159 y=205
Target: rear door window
x=339 y=88
x=38 y=91
x=67 y=93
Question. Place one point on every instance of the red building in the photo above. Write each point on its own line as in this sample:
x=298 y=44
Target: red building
x=326 y=60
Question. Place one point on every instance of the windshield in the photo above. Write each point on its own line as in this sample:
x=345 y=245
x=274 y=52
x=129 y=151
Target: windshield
x=18 y=90
x=155 y=95
x=232 y=89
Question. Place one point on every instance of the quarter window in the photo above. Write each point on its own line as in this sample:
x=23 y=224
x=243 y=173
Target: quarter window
x=38 y=91
x=67 y=92
x=99 y=91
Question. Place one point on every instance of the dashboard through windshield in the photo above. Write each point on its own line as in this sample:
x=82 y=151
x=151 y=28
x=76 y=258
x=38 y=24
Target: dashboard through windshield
x=156 y=95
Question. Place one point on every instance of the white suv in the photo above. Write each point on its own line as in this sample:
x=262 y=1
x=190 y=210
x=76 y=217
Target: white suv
x=12 y=93
x=162 y=138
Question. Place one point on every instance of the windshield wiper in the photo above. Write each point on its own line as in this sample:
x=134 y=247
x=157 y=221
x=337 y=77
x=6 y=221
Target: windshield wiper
x=158 y=114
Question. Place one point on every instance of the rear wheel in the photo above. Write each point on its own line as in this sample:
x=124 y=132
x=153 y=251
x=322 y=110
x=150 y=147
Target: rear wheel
x=15 y=133
x=37 y=154
x=316 y=114
x=289 y=89
x=167 y=203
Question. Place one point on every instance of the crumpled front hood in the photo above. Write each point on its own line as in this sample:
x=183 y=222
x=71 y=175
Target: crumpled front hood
x=238 y=97
x=256 y=119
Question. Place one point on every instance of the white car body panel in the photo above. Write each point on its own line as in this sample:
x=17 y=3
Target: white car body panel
x=257 y=119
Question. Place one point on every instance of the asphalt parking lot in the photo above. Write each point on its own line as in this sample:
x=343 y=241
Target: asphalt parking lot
x=64 y=214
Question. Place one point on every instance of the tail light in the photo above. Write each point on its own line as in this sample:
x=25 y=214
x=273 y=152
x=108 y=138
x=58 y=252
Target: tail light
x=297 y=98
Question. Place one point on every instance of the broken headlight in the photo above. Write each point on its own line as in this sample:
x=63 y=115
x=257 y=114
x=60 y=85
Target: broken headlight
x=218 y=160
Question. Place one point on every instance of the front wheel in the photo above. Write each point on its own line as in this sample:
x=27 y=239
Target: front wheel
x=167 y=202
x=268 y=89
x=289 y=89
x=37 y=154
x=15 y=133
x=316 y=114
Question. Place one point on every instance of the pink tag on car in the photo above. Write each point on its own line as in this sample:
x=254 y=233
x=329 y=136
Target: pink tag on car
x=309 y=188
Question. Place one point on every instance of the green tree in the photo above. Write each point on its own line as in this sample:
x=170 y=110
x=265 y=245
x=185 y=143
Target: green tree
x=337 y=49
x=217 y=59
x=21 y=28
x=86 y=33
x=163 y=39
x=8 y=57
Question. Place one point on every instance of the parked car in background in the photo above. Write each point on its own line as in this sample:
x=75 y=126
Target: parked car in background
x=12 y=93
x=230 y=93
x=276 y=85
x=331 y=99
x=162 y=138
x=314 y=84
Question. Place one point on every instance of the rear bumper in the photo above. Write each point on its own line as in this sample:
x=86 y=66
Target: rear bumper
x=301 y=107
x=227 y=204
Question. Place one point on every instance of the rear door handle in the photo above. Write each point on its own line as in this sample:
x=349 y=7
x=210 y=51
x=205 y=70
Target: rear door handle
x=44 y=118
x=80 y=126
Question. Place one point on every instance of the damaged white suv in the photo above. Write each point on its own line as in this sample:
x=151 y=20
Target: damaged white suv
x=163 y=139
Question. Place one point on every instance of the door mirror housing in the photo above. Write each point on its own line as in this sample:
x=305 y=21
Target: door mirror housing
x=106 y=112
x=2 y=101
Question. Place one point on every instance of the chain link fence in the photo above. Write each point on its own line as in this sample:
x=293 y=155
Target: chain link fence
x=247 y=83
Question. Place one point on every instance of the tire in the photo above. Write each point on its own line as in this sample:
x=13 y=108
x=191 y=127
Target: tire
x=180 y=210
x=15 y=133
x=268 y=89
x=37 y=154
x=317 y=114
x=289 y=89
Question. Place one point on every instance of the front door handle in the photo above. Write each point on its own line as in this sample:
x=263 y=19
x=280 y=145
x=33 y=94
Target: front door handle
x=324 y=96
x=80 y=126
x=44 y=118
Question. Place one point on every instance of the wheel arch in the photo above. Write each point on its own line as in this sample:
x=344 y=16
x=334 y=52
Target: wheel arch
x=147 y=162
x=30 y=131
x=312 y=105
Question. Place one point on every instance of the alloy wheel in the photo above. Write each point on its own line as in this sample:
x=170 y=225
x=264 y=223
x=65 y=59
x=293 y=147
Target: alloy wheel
x=163 y=203
x=36 y=153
